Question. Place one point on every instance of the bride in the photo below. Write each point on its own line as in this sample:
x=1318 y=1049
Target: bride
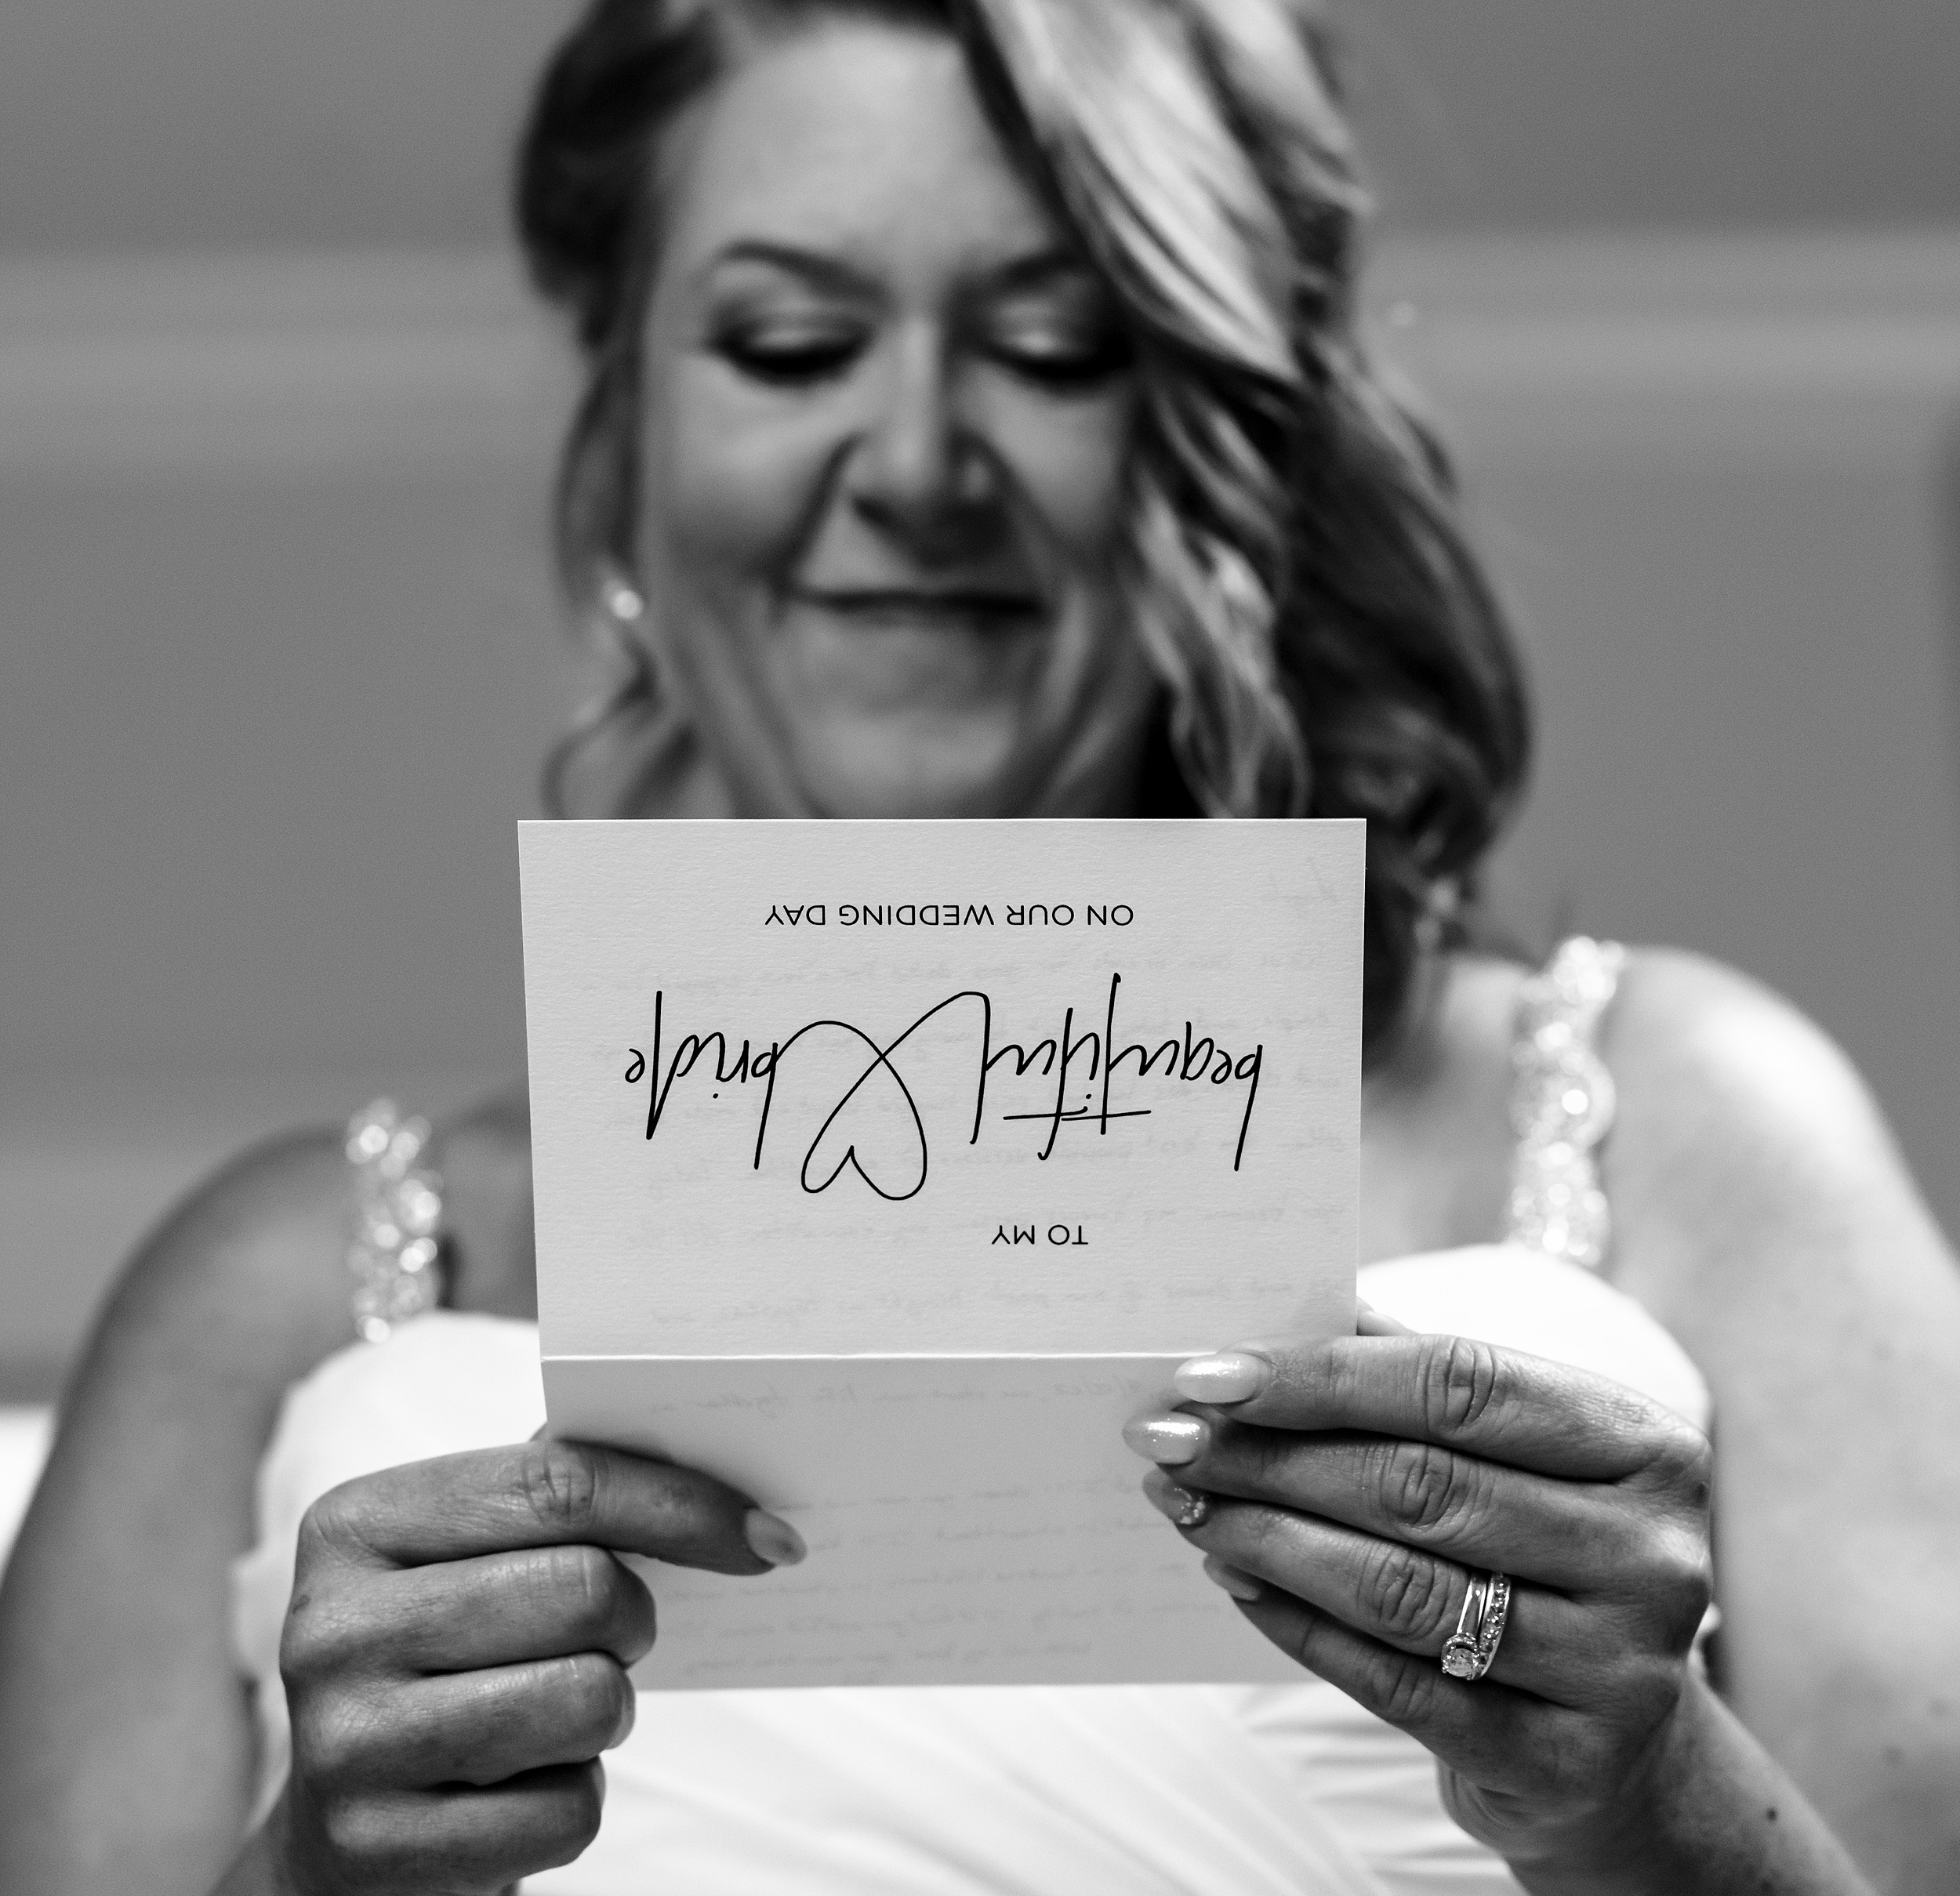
x=976 y=425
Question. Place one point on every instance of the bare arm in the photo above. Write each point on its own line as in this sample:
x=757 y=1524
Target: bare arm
x=455 y=1650
x=1766 y=1218
x=1347 y=1492
x=125 y=1750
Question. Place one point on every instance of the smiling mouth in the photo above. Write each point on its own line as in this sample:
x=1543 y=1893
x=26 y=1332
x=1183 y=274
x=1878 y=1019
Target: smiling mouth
x=964 y=605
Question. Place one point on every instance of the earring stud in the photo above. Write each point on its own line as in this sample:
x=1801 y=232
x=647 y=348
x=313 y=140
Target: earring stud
x=621 y=602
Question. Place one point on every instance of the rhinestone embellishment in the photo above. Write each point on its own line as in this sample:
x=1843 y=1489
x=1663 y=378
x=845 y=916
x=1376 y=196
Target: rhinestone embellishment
x=1562 y=1103
x=395 y=1255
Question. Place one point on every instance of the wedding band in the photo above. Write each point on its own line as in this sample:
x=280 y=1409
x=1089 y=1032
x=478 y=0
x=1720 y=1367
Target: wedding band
x=1468 y=1653
x=1497 y=1614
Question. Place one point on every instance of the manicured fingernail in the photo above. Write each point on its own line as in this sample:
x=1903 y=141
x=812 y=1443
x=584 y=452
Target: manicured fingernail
x=773 y=1538
x=1166 y=1440
x=1184 y=1505
x=1230 y=1377
x=1240 y=1585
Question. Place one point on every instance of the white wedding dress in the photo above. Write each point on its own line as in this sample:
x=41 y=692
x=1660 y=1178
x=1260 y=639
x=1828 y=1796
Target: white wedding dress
x=1017 y=1791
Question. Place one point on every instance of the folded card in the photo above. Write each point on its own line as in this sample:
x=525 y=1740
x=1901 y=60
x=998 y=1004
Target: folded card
x=884 y=1169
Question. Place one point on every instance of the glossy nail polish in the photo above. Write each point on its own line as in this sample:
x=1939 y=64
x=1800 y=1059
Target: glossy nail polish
x=773 y=1538
x=1240 y=1585
x=1166 y=1440
x=1233 y=1375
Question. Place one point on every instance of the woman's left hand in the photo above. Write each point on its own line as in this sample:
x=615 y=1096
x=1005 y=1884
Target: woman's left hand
x=1347 y=1490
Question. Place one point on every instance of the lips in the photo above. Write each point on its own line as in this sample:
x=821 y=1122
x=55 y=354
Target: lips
x=914 y=605
x=907 y=651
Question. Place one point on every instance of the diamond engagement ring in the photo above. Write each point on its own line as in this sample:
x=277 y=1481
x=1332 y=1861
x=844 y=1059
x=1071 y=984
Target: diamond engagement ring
x=1468 y=1653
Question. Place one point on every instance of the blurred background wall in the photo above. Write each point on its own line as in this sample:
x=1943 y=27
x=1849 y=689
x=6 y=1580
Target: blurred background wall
x=278 y=653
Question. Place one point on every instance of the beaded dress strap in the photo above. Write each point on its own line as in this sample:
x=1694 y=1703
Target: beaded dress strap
x=395 y=1254
x=1561 y=1104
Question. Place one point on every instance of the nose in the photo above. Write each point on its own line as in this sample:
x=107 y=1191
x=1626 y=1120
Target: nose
x=919 y=473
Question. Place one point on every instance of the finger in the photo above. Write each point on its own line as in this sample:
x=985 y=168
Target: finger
x=1369 y=1321
x=1503 y=1740
x=1403 y=1598
x=536 y=1603
x=1568 y=1534
x=542 y=1820
x=546 y=1493
x=477 y=1727
x=1450 y=1391
x=467 y=1839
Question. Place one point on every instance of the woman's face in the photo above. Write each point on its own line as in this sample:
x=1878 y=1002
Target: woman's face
x=887 y=409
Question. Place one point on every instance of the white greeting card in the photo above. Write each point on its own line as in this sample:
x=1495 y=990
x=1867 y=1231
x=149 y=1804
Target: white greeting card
x=885 y=1170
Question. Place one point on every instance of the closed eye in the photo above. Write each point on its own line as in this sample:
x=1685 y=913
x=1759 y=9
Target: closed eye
x=1068 y=340
x=1067 y=368
x=790 y=357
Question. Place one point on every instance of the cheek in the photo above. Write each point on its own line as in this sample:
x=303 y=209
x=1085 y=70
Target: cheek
x=1067 y=460
x=728 y=491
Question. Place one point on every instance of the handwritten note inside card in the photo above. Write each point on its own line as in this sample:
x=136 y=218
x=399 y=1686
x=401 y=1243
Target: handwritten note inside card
x=883 y=1168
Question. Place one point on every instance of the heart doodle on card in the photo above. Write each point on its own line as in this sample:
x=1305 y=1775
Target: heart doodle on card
x=878 y=1126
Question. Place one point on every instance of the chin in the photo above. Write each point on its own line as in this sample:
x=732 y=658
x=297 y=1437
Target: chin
x=867 y=770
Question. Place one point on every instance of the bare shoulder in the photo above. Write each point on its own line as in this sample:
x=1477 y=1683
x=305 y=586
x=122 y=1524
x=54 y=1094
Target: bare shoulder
x=248 y=1271
x=1748 y=1152
x=246 y=1274
x=1725 y=1087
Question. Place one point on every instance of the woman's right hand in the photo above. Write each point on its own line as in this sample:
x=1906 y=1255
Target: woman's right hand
x=455 y=1654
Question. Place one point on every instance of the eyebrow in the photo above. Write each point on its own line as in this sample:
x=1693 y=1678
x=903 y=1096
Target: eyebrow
x=1034 y=271
x=832 y=273
x=1039 y=268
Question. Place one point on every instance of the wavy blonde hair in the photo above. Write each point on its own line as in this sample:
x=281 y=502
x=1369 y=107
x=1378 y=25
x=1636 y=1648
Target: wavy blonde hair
x=1294 y=563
